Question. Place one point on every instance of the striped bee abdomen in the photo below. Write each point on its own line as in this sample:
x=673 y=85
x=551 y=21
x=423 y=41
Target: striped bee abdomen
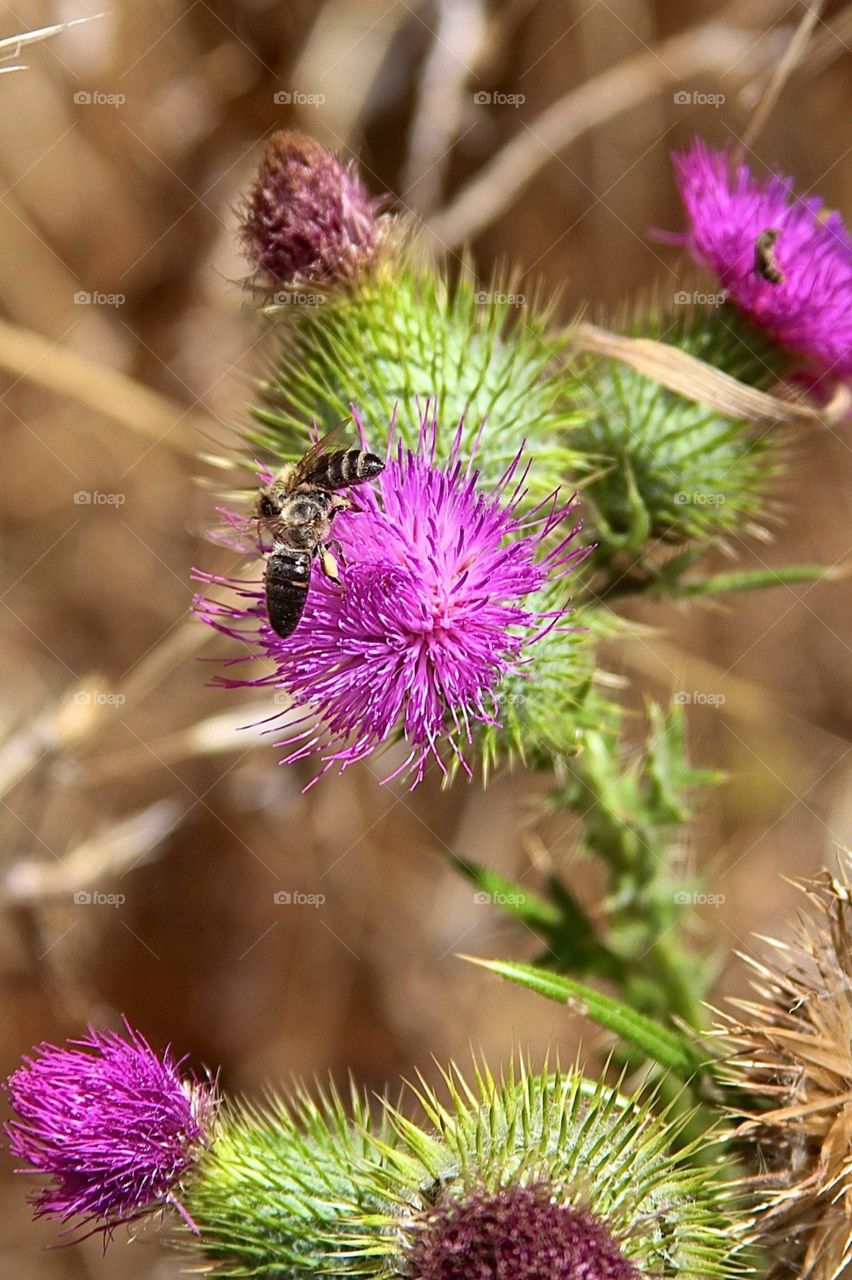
x=288 y=576
x=346 y=467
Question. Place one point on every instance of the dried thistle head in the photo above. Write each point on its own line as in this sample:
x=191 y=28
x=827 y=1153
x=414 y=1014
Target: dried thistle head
x=793 y=1069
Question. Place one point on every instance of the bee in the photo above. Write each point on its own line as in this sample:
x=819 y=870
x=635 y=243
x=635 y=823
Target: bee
x=295 y=511
x=765 y=262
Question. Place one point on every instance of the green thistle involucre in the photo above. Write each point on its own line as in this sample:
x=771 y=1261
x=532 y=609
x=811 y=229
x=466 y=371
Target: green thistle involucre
x=404 y=336
x=304 y=1188
x=667 y=468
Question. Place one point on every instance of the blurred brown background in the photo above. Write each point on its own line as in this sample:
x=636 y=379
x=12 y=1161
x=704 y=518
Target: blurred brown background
x=123 y=150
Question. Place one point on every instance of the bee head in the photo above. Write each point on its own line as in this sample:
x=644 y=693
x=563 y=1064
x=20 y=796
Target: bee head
x=266 y=507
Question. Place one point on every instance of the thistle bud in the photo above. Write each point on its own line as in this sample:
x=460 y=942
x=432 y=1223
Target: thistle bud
x=533 y=1177
x=308 y=217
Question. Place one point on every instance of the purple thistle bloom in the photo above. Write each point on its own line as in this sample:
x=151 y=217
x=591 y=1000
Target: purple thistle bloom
x=111 y=1123
x=516 y=1233
x=430 y=617
x=308 y=218
x=784 y=262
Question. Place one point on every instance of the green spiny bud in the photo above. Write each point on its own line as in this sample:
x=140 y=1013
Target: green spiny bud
x=406 y=336
x=538 y=1174
x=548 y=703
x=669 y=469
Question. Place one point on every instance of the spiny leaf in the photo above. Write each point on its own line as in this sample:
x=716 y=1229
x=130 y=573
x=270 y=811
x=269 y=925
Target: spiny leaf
x=664 y=1046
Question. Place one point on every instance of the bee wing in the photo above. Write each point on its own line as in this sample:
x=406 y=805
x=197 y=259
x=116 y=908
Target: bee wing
x=234 y=530
x=308 y=464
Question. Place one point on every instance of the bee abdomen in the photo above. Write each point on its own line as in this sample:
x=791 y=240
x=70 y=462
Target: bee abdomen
x=288 y=577
x=347 y=467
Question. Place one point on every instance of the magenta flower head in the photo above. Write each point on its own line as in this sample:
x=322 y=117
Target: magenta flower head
x=308 y=218
x=113 y=1126
x=431 y=614
x=782 y=259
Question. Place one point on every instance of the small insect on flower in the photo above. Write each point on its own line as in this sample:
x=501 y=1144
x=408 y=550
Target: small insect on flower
x=765 y=262
x=784 y=261
x=296 y=509
x=431 y=616
x=112 y=1124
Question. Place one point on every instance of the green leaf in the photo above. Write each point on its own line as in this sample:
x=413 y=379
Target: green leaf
x=667 y=1047
x=572 y=940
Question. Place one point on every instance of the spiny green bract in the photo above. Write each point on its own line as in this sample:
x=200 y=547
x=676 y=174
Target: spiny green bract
x=310 y=1189
x=280 y=1188
x=545 y=707
x=667 y=468
x=405 y=335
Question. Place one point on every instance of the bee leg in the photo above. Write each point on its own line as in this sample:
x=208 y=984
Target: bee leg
x=330 y=566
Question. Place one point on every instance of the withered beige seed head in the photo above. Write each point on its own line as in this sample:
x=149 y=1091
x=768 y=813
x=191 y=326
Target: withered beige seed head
x=794 y=1064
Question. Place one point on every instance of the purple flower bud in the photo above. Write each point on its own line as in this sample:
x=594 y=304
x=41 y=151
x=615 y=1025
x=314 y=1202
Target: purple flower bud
x=113 y=1126
x=515 y=1233
x=784 y=261
x=308 y=218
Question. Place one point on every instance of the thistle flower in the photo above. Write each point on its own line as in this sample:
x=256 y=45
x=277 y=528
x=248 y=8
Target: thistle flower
x=432 y=616
x=114 y=1126
x=531 y=1177
x=793 y=1076
x=785 y=262
x=308 y=217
